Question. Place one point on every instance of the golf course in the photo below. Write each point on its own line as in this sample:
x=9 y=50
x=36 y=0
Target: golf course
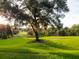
x=51 y=47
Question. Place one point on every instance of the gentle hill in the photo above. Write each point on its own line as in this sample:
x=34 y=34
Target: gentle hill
x=52 y=47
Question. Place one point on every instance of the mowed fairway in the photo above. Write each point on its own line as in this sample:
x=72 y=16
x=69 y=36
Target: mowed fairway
x=53 y=47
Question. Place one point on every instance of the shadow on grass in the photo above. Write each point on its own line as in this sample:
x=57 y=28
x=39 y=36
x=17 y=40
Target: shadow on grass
x=22 y=51
x=66 y=55
x=59 y=46
x=31 y=55
x=40 y=41
x=44 y=44
x=25 y=54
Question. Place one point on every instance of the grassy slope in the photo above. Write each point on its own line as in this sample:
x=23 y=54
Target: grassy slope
x=53 y=48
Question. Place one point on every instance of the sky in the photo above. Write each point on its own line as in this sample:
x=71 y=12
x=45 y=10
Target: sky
x=72 y=17
x=4 y=20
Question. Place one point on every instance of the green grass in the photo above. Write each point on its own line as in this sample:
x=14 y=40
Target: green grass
x=53 y=47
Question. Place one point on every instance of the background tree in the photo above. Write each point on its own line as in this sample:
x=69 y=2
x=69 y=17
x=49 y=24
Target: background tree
x=75 y=30
x=64 y=32
x=37 y=13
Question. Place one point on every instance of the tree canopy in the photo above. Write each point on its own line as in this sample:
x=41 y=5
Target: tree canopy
x=37 y=12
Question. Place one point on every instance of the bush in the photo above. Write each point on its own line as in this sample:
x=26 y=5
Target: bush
x=15 y=32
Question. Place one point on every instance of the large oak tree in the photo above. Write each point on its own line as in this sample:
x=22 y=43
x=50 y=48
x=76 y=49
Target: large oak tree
x=37 y=13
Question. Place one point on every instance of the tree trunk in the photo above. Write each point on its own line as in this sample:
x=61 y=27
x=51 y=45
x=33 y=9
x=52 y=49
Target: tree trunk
x=37 y=36
x=35 y=32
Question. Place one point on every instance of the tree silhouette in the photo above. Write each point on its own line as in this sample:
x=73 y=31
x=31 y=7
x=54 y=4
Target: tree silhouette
x=38 y=12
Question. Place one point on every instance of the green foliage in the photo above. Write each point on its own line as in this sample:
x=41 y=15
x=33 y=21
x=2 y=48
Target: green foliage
x=73 y=31
x=37 y=13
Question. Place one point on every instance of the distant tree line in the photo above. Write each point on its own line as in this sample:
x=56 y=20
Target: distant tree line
x=72 y=31
x=6 y=31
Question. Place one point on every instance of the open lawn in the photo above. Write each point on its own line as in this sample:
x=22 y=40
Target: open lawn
x=53 y=47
